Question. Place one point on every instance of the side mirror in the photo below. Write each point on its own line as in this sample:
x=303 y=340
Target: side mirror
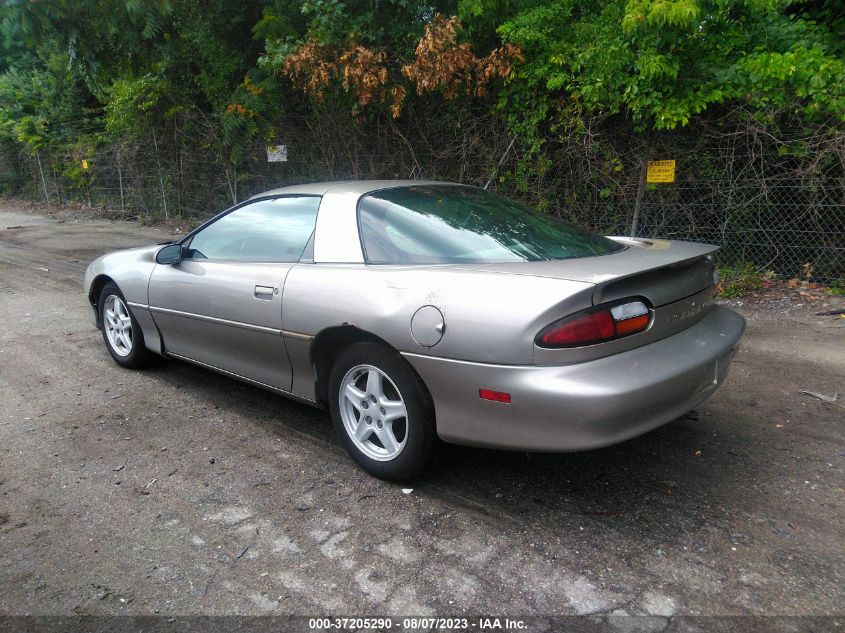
x=170 y=254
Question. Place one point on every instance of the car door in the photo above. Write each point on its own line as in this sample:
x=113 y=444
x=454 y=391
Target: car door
x=221 y=305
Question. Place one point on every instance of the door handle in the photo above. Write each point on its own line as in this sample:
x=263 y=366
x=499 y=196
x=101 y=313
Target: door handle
x=265 y=292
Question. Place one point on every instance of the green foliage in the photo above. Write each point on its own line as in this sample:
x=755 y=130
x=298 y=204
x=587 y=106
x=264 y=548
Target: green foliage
x=837 y=287
x=80 y=174
x=36 y=102
x=394 y=25
x=740 y=281
x=73 y=69
x=665 y=61
x=131 y=104
x=89 y=33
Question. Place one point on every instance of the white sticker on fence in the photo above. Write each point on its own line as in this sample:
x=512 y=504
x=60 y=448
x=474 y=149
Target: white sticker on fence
x=277 y=154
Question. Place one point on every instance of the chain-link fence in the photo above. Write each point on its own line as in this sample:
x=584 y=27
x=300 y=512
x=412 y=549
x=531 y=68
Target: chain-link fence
x=773 y=203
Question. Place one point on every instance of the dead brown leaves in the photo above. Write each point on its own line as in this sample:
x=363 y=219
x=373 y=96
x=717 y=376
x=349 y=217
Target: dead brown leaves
x=440 y=63
x=364 y=74
x=310 y=68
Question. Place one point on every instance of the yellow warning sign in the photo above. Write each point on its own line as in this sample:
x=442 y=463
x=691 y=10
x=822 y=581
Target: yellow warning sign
x=660 y=171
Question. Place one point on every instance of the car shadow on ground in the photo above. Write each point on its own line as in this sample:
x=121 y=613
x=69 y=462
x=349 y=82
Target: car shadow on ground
x=654 y=486
x=669 y=481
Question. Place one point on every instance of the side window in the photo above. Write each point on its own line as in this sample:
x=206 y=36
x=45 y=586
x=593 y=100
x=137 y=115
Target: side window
x=275 y=230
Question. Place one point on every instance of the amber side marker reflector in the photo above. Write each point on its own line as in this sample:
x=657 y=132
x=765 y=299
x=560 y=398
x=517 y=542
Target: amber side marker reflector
x=495 y=396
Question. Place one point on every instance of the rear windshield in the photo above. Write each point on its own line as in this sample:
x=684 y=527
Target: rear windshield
x=442 y=224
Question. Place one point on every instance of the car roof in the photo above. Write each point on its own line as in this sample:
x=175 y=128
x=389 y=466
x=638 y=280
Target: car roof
x=360 y=187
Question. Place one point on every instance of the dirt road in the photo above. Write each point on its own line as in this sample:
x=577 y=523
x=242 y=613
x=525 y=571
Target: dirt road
x=178 y=491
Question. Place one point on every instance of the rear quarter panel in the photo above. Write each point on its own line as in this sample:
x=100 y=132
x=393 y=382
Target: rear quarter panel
x=490 y=318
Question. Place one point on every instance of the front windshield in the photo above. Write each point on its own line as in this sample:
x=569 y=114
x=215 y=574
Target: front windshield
x=442 y=224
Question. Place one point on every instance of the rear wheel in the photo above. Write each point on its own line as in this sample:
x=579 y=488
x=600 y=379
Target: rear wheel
x=121 y=331
x=381 y=412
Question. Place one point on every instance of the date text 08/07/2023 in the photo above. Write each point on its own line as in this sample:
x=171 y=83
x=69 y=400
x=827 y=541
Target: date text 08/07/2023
x=417 y=624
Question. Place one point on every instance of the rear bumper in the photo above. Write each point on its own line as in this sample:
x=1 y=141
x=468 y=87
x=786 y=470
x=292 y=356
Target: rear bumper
x=585 y=405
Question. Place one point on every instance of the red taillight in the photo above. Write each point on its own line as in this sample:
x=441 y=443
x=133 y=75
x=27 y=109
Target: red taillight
x=495 y=396
x=597 y=325
x=580 y=330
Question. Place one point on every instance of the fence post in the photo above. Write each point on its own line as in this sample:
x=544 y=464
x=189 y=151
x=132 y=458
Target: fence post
x=635 y=221
x=41 y=171
x=120 y=182
x=500 y=163
x=233 y=193
x=160 y=179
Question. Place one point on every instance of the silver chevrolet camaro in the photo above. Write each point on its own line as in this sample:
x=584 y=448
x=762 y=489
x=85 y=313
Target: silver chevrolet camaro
x=426 y=311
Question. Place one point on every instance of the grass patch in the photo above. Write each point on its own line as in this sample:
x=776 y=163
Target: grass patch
x=738 y=282
x=837 y=288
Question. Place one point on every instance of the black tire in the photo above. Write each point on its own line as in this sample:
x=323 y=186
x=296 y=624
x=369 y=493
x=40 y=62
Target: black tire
x=139 y=355
x=421 y=441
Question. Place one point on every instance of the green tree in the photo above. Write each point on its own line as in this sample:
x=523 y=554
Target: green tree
x=662 y=62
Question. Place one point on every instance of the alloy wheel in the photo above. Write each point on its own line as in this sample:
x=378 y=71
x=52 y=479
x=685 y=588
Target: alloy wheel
x=373 y=412
x=118 y=325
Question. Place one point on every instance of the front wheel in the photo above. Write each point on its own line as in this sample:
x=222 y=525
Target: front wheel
x=121 y=331
x=381 y=412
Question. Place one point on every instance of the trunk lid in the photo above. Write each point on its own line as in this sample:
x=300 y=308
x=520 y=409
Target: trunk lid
x=675 y=277
x=662 y=271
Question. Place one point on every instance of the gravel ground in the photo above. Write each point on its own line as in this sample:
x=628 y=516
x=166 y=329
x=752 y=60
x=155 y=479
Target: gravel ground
x=177 y=491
